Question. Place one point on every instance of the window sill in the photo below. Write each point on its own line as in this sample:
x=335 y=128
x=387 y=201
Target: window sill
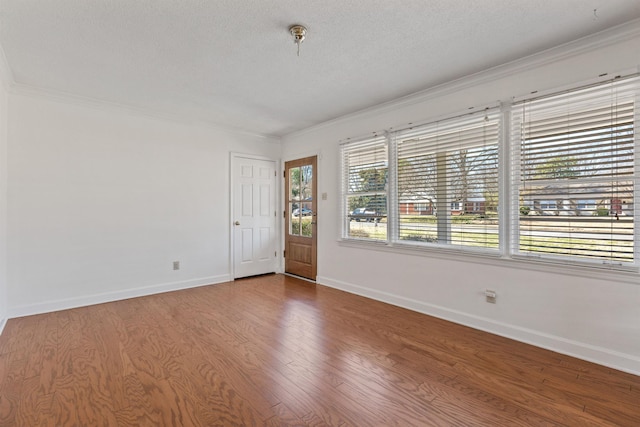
x=592 y=271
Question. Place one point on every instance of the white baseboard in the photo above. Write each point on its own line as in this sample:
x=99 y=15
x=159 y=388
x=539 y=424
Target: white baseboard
x=600 y=355
x=64 y=304
x=3 y=323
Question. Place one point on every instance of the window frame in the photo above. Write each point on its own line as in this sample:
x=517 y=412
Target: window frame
x=468 y=141
x=575 y=95
x=509 y=208
x=376 y=141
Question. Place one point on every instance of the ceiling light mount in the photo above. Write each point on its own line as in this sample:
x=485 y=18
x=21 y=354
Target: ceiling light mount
x=298 y=32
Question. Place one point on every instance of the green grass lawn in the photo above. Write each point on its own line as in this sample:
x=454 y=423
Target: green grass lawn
x=423 y=229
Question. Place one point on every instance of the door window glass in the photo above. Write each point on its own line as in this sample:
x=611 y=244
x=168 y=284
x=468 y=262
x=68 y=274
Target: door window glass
x=300 y=201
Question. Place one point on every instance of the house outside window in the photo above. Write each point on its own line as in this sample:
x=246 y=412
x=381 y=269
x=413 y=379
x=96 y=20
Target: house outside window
x=548 y=205
x=586 y=205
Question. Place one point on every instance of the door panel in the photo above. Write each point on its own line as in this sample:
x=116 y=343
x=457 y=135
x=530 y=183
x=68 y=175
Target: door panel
x=254 y=216
x=301 y=217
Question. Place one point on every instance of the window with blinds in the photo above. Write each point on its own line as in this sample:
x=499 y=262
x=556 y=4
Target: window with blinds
x=365 y=174
x=571 y=174
x=574 y=174
x=447 y=182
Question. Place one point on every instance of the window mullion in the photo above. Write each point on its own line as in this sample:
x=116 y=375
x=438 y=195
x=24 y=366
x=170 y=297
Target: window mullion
x=508 y=209
x=392 y=190
x=443 y=213
x=636 y=187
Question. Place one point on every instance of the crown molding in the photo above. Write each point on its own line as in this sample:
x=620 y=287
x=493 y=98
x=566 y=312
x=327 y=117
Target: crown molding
x=115 y=107
x=567 y=50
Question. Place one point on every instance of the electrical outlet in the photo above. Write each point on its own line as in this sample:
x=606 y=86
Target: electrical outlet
x=176 y=265
x=490 y=296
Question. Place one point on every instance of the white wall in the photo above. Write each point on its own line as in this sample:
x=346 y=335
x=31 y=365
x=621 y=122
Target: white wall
x=101 y=202
x=3 y=205
x=593 y=318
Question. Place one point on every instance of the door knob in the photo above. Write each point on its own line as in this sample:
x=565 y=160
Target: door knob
x=237 y=223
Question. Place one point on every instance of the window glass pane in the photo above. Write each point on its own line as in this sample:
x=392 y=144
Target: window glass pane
x=306 y=217
x=294 y=184
x=295 y=220
x=447 y=182
x=368 y=222
x=365 y=180
x=576 y=175
x=306 y=182
x=300 y=201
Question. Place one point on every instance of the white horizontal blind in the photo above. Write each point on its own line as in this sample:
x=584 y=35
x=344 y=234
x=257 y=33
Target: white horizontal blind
x=447 y=182
x=574 y=175
x=365 y=172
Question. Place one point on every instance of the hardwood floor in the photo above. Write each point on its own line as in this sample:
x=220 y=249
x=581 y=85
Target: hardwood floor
x=278 y=351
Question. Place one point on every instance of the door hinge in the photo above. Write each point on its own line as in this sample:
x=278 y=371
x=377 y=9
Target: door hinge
x=284 y=214
x=284 y=254
x=284 y=174
x=275 y=253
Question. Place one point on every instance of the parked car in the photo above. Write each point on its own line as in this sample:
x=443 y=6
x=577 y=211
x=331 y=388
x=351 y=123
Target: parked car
x=302 y=212
x=365 y=214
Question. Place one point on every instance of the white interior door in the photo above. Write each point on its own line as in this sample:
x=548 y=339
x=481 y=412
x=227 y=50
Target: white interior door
x=254 y=216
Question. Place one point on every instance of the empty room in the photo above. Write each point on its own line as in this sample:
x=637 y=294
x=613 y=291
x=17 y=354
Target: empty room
x=286 y=213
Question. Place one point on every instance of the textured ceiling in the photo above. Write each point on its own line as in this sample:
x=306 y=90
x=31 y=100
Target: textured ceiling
x=233 y=62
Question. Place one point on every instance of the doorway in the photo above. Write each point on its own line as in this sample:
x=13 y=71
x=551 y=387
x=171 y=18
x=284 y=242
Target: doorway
x=254 y=216
x=301 y=227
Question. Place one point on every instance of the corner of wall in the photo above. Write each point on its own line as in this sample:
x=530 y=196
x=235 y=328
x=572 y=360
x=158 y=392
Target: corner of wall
x=6 y=80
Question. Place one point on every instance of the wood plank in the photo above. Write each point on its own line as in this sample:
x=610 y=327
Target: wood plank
x=35 y=406
x=11 y=391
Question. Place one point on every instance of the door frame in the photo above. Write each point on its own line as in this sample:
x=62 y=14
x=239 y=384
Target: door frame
x=278 y=196
x=284 y=201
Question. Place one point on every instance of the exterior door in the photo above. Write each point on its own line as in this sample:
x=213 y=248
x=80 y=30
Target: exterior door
x=301 y=227
x=254 y=216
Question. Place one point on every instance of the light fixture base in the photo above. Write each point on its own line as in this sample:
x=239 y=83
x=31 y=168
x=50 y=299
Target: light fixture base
x=299 y=32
